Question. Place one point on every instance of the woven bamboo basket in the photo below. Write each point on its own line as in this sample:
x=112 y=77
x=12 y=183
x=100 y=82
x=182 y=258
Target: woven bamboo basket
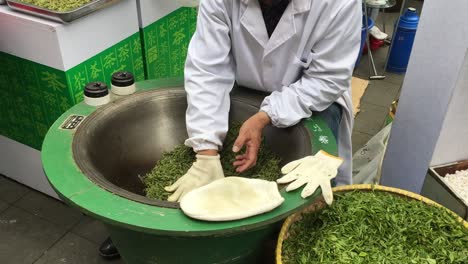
x=363 y=187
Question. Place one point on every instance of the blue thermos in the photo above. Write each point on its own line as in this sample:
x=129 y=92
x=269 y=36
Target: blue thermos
x=403 y=41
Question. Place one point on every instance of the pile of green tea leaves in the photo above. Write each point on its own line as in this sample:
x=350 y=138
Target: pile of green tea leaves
x=376 y=227
x=58 y=5
x=176 y=163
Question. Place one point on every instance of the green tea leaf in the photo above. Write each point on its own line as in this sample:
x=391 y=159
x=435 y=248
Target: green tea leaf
x=58 y=5
x=176 y=163
x=377 y=227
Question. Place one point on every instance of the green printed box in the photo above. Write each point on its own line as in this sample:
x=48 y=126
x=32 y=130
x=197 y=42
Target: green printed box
x=45 y=65
x=166 y=29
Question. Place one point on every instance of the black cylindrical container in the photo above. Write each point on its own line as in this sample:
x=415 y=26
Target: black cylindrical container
x=123 y=83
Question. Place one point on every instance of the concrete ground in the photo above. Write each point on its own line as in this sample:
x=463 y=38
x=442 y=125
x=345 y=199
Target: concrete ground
x=37 y=229
x=380 y=93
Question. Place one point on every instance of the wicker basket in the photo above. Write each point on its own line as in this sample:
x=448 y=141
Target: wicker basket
x=364 y=187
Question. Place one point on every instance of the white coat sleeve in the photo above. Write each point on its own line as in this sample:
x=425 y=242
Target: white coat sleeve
x=327 y=76
x=209 y=77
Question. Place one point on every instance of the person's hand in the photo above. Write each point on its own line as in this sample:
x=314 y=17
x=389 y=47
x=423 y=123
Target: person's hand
x=204 y=170
x=250 y=135
x=313 y=171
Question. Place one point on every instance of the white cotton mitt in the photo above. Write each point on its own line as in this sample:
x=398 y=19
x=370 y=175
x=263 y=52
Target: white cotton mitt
x=231 y=198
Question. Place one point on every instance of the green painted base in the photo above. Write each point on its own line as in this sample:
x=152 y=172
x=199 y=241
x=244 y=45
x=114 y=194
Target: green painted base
x=238 y=248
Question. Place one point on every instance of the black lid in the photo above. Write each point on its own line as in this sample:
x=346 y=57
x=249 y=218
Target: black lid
x=96 y=89
x=123 y=79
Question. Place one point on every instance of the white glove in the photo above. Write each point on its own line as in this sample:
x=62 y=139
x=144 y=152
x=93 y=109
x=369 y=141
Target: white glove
x=203 y=171
x=231 y=198
x=314 y=171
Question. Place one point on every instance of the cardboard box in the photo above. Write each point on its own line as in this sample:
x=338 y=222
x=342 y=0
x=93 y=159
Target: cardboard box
x=436 y=189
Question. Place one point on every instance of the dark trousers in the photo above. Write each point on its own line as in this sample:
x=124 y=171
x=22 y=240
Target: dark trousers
x=332 y=116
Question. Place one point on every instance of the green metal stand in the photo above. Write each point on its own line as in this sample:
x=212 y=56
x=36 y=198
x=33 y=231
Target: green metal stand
x=241 y=248
x=146 y=233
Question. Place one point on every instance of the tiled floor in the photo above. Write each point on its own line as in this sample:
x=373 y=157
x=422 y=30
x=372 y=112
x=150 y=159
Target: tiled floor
x=380 y=93
x=37 y=229
x=377 y=99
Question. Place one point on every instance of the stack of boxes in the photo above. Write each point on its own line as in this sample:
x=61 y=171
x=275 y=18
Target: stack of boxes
x=44 y=66
x=166 y=29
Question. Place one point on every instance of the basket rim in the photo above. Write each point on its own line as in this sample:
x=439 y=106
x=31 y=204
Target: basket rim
x=367 y=187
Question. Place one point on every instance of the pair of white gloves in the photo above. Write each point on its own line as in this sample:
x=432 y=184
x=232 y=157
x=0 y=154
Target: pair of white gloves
x=236 y=198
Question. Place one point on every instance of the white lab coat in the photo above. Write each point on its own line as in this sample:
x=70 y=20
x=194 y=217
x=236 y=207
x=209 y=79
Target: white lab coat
x=307 y=65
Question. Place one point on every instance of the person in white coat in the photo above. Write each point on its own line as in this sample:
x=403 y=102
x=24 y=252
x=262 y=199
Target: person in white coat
x=301 y=52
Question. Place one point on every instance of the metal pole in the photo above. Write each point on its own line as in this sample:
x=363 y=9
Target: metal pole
x=403 y=4
x=376 y=76
x=384 y=16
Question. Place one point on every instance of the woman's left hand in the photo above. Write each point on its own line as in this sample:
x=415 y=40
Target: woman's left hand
x=250 y=135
